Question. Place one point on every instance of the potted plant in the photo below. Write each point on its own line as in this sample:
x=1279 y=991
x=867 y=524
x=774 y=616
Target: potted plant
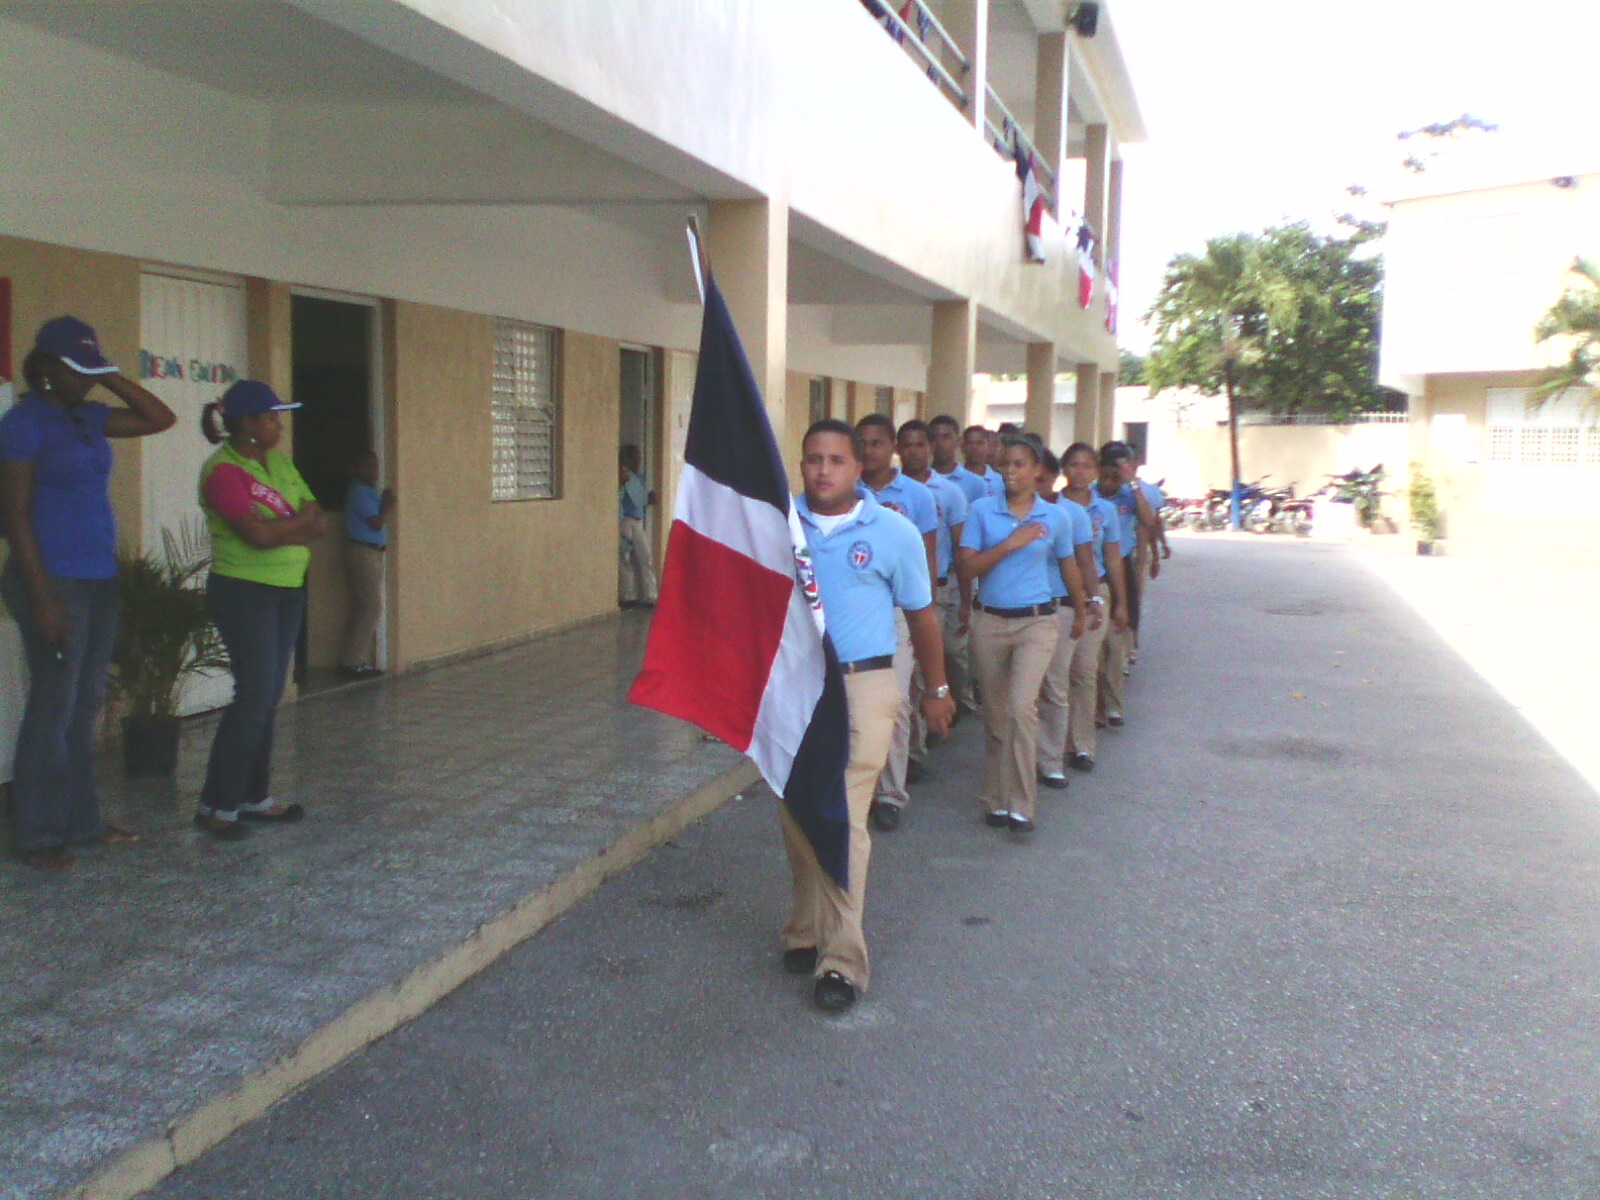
x=1424 y=501
x=165 y=637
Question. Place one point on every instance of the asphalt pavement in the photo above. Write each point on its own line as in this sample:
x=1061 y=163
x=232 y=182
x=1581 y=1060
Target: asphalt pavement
x=1324 y=922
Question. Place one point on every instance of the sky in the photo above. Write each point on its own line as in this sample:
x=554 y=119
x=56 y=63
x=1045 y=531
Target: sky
x=1263 y=110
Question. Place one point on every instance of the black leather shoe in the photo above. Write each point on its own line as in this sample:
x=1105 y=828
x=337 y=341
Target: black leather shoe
x=1059 y=782
x=223 y=831
x=885 y=817
x=833 y=993
x=802 y=960
x=1115 y=720
x=1079 y=761
x=915 y=771
x=1019 y=823
x=998 y=819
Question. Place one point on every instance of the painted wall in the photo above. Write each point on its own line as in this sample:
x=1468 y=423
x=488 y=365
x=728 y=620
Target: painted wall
x=1196 y=460
x=472 y=572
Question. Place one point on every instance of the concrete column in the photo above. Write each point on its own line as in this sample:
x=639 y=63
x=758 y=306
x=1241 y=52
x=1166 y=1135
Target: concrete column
x=1039 y=410
x=1097 y=144
x=1086 y=414
x=748 y=242
x=1109 y=428
x=1050 y=105
x=955 y=357
x=968 y=23
x=1113 y=237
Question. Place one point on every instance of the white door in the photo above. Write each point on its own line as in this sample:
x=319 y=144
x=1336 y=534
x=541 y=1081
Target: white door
x=193 y=344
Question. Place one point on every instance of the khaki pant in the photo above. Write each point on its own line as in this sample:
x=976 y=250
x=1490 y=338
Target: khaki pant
x=1054 y=696
x=957 y=664
x=1085 y=682
x=365 y=566
x=1116 y=648
x=1010 y=655
x=825 y=916
x=636 y=576
x=892 y=783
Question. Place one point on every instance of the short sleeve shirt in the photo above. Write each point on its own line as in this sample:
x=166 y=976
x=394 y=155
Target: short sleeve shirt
x=1153 y=495
x=71 y=512
x=1102 y=518
x=866 y=568
x=1082 y=533
x=361 y=503
x=912 y=500
x=1127 y=517
x=633 y=497
x=1021 y=578
x=232 y=487
x=951 y=503
x=972 y=486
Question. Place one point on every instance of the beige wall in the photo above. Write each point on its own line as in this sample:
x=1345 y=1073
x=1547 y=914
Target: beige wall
x=472 y=572
x=103 y=289
x=1194 y=460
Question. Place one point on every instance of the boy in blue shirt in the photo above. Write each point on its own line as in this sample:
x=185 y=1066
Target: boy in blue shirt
x=636 y=575
x=366 y=524
x=869 y=563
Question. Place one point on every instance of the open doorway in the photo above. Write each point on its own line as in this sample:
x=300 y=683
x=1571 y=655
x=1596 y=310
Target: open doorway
x=335 y=367
x=637 y=427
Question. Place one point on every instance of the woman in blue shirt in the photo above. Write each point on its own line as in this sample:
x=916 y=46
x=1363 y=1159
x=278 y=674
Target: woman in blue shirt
x=60 y=579
x=1014 y=545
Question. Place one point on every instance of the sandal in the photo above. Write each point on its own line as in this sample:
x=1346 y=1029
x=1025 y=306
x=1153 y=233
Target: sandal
x=278 y=814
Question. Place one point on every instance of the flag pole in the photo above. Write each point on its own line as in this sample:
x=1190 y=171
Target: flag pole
x=698 y=256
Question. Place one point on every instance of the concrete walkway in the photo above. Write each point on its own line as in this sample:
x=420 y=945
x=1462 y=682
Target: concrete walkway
x=163 y=993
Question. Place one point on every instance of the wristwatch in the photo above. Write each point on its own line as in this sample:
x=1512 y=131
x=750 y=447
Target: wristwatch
x=942 y=692
x=1100 y=600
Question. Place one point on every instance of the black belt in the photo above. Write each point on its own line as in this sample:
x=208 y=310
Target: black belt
x=943 y=579
x=882 y=663
x=1032 y=610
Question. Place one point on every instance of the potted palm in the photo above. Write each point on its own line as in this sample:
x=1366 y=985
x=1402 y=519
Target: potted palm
x=165 y=637
x=1424 y=502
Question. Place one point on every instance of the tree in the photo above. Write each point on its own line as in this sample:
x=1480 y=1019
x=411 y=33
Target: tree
x=1130 y=368
x=1575 y=317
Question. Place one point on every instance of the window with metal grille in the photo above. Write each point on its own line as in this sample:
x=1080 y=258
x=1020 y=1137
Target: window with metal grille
x=883 y=401
x=1502 y=443
x=526 y=413
x=1591 y=446
x=1564 y=446
x=819 y=400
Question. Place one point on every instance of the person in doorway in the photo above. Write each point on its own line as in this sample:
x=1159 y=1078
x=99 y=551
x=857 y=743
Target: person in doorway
x=60 y=579
x=263 y=521
x=367 y=512
x=636 y=575
x=956 y=603
x=978 y=457
x=1055 y=692
x=892 y=489
x=1105 y=575
x=950 y=595
x=1014 y=544
x=870 y=563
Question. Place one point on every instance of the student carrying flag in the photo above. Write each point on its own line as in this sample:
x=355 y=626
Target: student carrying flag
x=740 y=646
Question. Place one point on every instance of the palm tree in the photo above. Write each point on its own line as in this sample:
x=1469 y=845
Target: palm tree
x=1576 y=317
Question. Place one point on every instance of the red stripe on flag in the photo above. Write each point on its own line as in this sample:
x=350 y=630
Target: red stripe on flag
x=714 y=636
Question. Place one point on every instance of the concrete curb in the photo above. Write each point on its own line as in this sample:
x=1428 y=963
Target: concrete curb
x=191 y=1135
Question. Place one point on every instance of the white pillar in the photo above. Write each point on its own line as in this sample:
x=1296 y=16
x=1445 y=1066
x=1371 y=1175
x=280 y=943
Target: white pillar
x=954 y=358
x=1039 y=410
x=748 y=242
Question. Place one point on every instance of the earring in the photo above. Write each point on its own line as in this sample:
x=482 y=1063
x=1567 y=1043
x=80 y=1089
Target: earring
x=46 y=384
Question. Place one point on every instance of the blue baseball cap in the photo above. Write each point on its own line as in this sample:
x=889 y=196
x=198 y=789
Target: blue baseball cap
x=249 y=397
x=75 y=343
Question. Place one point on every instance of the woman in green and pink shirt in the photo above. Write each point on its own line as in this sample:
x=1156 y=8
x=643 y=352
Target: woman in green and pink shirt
x=263 y=520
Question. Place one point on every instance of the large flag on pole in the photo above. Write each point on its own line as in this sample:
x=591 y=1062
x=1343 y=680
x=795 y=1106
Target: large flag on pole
x=738 y=645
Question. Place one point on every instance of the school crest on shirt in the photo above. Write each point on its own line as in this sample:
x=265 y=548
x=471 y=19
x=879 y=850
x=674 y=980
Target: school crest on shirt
x=895 y=506
x=860 y=556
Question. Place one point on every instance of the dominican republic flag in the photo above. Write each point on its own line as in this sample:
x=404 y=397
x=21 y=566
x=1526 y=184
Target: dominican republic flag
x=738 y=645
x=1111 y=296
x=1033 y=204
x=1085 y=265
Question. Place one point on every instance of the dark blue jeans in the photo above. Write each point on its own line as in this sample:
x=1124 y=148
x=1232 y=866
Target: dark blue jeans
x=53 y=796
x=259 y=625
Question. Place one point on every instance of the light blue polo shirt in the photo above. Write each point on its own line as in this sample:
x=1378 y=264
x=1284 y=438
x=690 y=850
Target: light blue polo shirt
x=1081 y=532
x=951 y=502
x=1021 y=578
x=993 y=483
x=1101 y=517
x=362 y=502
x=866 y=568
x=1127 y=516
x=633 y=496
x=1153 y=496
x=912 y=500
x=972 y=486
